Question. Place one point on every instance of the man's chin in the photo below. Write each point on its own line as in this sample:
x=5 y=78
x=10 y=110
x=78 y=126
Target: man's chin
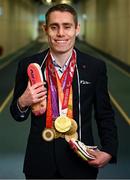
x=62 y=50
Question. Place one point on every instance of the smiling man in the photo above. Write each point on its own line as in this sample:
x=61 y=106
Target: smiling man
x=72 y=84
x=61 y=30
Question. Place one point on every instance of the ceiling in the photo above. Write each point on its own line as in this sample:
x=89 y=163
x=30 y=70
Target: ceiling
x=49 y=2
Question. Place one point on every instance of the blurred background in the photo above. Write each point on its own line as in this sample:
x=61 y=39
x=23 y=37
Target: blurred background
x=105 y=27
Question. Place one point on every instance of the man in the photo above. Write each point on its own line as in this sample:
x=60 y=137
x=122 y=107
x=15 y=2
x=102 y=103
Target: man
x=87 y=88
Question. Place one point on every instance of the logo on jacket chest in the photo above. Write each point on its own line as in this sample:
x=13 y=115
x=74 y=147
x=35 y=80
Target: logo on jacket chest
x=84 y=82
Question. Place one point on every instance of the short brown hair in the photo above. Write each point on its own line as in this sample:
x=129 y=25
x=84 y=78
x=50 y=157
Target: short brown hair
x=62 y=8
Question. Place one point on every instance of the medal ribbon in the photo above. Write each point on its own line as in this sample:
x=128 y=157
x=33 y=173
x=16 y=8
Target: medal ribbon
x=68 y=111
x=59 y=88
x=52 y=106
x=70 y=74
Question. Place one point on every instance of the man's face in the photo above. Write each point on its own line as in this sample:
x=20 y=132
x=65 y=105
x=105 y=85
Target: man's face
x=61 y=31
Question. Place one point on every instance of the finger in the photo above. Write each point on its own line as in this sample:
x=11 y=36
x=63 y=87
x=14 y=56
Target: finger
x=37 y=85
x=40 y=89
x=43 y=98
x=93 y=163
x=37 y=100
x=44 y=82
x=41 y=94
x=29 y=84
x=92 y=152
x=38 y=93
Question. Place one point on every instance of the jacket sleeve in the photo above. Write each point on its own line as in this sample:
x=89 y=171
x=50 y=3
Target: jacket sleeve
x=104 y=115
x=21 y=81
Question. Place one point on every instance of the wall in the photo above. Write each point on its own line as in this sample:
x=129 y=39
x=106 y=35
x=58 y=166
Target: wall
x=18 y=24
x=108 y=27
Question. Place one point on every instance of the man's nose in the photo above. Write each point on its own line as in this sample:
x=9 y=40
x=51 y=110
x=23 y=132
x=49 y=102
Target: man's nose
x=60 y=31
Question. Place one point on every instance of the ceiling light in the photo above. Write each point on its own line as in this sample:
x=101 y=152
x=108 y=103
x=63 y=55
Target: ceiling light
x=66 y=1
x=49 y=1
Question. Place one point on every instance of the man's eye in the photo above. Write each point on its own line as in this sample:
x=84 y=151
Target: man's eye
x=67 y=27
x=53 y=27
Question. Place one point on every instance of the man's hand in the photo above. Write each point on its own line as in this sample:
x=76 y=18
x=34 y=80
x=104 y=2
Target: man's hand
x=101 y=158
x=33 y=94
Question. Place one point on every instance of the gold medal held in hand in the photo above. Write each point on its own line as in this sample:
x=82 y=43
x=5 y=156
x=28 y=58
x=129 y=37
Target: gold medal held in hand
x=48 y=134
x=62 y=124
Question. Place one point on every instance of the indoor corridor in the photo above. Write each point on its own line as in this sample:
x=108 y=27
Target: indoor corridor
x=13 y=135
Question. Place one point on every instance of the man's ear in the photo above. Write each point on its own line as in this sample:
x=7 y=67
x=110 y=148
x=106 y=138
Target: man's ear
x=44 y=26
x=77 y=33
x=77 y=29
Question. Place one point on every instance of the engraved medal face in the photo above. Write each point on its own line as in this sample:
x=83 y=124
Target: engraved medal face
x=62 y=124
x=48 y=134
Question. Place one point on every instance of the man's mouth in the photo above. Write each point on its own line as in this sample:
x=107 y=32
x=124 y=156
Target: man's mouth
x=61 y=41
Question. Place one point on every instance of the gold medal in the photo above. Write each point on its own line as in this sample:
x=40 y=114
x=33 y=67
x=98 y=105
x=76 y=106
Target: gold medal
x=57 y=134
x=48 y=134
x=62 y=124
x=73 y=128
x=73 y=136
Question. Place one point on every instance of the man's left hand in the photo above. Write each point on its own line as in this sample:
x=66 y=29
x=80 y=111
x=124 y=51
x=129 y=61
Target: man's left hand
x=101 y=158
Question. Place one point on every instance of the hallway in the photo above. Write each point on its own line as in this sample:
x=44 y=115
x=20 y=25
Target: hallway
x=105 y=27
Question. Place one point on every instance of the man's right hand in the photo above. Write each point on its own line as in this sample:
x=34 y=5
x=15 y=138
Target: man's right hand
x=32 y=95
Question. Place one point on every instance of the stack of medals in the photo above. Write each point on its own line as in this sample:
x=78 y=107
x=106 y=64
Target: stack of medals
x=63 y=127
x=66 y=128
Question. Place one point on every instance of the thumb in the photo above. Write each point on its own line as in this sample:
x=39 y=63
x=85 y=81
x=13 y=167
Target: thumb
x=92 y=152
x=29 y=84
